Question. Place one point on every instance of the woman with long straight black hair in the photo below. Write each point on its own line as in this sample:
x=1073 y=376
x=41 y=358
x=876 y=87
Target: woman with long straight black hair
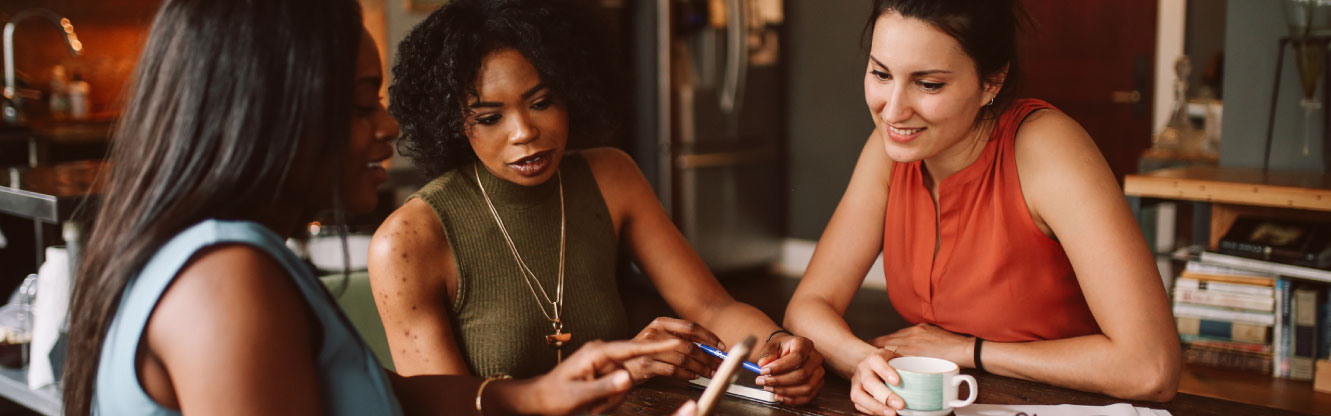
x=245 y=117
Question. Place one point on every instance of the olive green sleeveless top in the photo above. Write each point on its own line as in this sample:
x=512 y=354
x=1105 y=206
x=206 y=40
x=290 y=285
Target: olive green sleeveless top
x=496 y=319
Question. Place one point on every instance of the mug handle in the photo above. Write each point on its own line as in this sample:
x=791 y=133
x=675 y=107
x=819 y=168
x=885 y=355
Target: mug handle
x=974 y=390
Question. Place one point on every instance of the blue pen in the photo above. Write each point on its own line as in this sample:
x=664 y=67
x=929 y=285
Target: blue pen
x=719 y=354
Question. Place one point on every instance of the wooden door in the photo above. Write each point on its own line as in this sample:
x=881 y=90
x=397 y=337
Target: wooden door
x=1094 y=60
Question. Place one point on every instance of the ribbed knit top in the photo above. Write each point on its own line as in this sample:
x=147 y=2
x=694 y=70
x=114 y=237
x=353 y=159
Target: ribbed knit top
x=497 y=321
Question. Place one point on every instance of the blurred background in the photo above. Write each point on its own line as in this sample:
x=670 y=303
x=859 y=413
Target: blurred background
x=747 y=123
x=746 y=115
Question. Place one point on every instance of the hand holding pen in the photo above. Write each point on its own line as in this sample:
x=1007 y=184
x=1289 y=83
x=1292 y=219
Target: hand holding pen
x=686 y=362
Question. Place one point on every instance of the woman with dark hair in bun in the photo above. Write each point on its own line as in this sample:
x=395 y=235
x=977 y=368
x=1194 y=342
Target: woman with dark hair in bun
x=1004 y=236
x=505 y=262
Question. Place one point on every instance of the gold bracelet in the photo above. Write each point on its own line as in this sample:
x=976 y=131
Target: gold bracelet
x=482 y=389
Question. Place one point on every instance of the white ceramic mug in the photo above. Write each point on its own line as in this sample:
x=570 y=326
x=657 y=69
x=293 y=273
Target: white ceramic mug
x=929 y=385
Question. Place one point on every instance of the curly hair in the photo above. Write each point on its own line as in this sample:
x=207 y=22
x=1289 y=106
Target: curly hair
x=439 y=60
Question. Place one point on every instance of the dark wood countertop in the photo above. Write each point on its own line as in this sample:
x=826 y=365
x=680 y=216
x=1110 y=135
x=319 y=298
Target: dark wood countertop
x=661 y=397
x=62 y=132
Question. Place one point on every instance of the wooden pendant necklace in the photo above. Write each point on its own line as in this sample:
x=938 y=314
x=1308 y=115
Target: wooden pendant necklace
x=559 y=338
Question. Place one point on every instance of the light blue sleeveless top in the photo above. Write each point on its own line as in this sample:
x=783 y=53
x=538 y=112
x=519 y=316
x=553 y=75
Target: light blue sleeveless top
x=351 y=381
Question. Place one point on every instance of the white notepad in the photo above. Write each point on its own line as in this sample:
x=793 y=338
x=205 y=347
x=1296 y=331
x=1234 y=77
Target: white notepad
x=1120 y=409
x=742 y=387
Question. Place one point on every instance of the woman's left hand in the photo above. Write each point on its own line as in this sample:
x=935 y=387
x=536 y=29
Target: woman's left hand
x=929 y=341
x=792 y=369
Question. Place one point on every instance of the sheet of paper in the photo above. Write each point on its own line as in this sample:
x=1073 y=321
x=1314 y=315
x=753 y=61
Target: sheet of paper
x=1120 y=409
x=743 y=386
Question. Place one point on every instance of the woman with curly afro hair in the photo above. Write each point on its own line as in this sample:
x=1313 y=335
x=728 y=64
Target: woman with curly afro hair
x=505 y=262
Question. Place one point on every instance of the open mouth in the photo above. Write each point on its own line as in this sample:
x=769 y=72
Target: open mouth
x=903 y=134
x=376 y=170
x=904 y=131
x=534 y=164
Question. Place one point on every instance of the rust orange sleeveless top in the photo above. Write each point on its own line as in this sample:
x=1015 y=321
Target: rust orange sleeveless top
x=996 y=276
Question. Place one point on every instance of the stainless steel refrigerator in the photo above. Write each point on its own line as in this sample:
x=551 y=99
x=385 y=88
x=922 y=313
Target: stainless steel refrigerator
x=711 y=122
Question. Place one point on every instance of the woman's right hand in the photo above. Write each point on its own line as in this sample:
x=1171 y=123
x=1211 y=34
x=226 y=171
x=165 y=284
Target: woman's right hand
x=685 y=362
x=868 y=386
x=592 y=380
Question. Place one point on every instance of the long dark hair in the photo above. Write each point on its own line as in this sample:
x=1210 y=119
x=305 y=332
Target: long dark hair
x=437 y=64
x=230 y=109
x=987 y=30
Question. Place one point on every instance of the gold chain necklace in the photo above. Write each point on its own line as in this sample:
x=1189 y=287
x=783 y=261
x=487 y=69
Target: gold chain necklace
x=559 y=337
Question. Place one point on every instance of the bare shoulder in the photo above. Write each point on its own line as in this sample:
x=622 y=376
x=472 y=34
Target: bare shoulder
x=1058 y=162
x=873 y=167
x=231 y=291
x=410 y=251
x=1050 y=138
x=622 y=184
x=232 y=274
x=874 y=155
x=610 y=163
x=233 y=324
x=412 y=228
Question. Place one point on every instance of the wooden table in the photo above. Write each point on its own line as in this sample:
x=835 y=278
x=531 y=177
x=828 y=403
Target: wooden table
x=661 y=397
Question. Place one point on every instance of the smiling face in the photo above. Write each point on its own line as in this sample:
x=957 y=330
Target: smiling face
x=922 y=89
x=372 y=133
x=517 y=126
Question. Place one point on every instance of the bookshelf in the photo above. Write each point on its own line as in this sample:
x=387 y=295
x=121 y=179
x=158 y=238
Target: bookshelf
x=1233 y=192
x=1238 y=191
x=1238 y=186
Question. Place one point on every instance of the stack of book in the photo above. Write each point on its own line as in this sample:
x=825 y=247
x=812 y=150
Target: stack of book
x=1260 y=301
x=1226 y=316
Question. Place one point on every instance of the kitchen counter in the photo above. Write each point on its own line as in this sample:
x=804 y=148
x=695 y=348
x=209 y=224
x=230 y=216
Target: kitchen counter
x=14 y=386
x=43 y=142
x=96 y=130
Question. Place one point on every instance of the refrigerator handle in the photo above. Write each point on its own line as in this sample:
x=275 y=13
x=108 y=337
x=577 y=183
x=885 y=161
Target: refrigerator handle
x=737 y=56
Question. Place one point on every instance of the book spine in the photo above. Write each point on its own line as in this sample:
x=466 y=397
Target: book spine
x=1187 y=282
x=1278 y=333
x=1245 y=249
x=1224 y=330
x=1325 y=333
x=1287 y=336
x=1213 y=271
x=1208 y=342
x=1237 y=360
x=1227 y=300
x=1304 y=340
x=1202 y=267
x=1268 y=253
x=1267 y=267
x=1223 y=314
